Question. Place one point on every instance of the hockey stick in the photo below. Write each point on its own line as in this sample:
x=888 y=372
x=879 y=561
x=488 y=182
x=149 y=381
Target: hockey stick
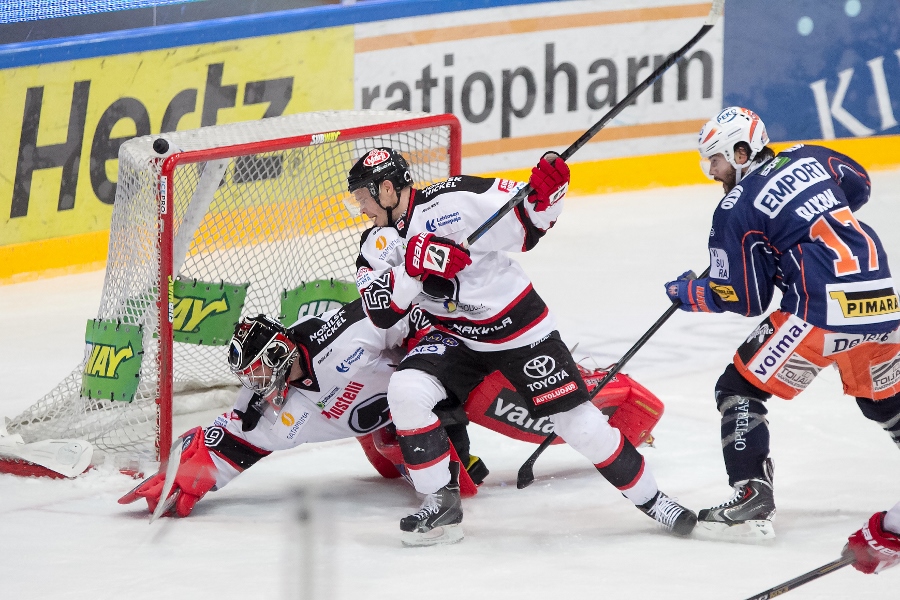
x=166 y=503
x=805 y=578
x=715 y=12
x=526 y=471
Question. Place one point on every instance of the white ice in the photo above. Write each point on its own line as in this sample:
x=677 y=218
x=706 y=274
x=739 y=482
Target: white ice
x=570 y=535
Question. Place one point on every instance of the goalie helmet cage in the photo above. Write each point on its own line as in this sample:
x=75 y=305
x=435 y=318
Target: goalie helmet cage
x=258 y=205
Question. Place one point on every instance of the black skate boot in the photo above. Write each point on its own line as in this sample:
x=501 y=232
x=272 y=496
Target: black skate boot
x=437 y=522
x=675 y=518
x=748 y=515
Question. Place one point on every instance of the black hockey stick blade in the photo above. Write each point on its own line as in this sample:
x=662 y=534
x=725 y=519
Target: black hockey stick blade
x=526 y=471
x=715 y=12
x=787 y=586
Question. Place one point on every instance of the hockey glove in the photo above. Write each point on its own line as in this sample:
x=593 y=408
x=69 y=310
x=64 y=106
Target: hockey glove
x=429 y=255
x=874 y=547
x=695 y=294
x=196 y=476
x=550 y=181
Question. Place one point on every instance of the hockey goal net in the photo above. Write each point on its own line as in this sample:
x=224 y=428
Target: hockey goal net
x=219 y=222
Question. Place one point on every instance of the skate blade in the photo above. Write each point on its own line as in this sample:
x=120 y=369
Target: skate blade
x=749 y=532
x=446 y=534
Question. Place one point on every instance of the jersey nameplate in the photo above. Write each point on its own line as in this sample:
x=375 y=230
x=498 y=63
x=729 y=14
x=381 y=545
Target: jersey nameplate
x=785 y=186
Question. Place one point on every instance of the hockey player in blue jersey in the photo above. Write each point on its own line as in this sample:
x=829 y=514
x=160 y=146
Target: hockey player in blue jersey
x=788 y=222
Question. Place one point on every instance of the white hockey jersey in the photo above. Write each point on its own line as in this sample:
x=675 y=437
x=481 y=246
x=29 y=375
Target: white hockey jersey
x=348 y=361
x=491 y=304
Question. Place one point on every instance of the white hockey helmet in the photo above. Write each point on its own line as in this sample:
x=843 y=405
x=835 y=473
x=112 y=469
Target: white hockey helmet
x=734 y=124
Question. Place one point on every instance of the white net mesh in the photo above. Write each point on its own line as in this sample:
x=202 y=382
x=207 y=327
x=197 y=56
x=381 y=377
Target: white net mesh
x=276 y=221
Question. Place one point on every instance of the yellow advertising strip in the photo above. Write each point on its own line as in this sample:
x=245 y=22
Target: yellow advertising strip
x=562 y=140
x=54 y=257
x=86 y=252
x=518 y=26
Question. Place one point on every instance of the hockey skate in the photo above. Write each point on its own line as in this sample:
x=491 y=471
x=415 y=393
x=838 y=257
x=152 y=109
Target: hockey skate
x=438 y=521
x=747 y=516
x=674 y=518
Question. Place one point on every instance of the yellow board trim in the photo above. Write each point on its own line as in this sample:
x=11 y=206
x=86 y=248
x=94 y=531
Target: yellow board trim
x=87 y=252
x=520 y=26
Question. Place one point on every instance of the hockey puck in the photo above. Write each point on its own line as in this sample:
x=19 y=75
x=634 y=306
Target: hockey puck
x=160 y=145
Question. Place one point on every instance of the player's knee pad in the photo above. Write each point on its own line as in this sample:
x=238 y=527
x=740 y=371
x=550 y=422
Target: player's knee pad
x=884 y=412
x=732 y=383
x=411 y=395
x=587 y=430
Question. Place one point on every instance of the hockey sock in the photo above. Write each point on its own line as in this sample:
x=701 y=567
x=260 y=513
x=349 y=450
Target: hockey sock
x=745 y=437
x=426 y=452
x=625 y=469
x=884 y=412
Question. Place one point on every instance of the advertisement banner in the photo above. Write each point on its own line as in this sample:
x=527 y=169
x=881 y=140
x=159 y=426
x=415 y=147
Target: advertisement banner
x=815 y=70
x=525 y=79
x=63 y=122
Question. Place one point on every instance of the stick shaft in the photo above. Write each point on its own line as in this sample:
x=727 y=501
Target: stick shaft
x=805 y=578
x=609 y=116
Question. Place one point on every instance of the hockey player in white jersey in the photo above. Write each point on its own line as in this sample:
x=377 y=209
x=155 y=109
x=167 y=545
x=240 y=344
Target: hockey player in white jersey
x=325 y=378
x=486 y=316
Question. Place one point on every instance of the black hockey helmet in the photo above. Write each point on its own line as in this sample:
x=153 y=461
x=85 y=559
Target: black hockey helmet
x=260 y=354
x=380 y=164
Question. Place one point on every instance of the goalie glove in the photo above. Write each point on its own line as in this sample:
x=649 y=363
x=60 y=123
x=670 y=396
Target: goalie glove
x=695 y=294
x=874 y=547
x=549 y=180
x=196 y=476
x=427 y=255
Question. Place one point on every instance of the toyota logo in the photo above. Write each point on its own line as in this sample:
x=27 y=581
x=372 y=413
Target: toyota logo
x=540 y=366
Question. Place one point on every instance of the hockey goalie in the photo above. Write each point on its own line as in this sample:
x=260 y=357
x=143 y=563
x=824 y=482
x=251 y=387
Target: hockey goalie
x=326 y=378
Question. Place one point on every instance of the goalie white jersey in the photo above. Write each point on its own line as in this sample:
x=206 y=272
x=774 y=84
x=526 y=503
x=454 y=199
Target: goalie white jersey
x=490 y=304
x=347 y=361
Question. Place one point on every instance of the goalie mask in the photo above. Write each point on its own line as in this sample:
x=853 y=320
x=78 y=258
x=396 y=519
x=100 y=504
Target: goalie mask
x=731 y=126
x=376 y=166
x=261 y=354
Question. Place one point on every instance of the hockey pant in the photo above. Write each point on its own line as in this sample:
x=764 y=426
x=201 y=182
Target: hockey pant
x=426 y=449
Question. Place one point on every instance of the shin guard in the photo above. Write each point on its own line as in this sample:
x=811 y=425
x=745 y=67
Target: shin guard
x=426 y=452
x=624 y=467
x=745 y=437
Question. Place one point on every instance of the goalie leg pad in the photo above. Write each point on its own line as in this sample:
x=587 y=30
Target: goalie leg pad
x=884 y=412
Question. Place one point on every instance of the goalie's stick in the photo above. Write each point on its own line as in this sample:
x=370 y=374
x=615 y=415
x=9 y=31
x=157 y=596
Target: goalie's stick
x=526 y=471
x=715 y=12
x=805 y=578
x=166 y=502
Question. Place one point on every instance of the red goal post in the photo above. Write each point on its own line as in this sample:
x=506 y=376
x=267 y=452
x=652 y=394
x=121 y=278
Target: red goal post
x=226 y=221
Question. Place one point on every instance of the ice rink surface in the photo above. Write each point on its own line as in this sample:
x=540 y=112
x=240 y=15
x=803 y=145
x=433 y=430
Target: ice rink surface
x=569 y=536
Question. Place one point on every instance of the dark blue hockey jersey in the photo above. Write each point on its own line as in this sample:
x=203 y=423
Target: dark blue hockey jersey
x=790 y=224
